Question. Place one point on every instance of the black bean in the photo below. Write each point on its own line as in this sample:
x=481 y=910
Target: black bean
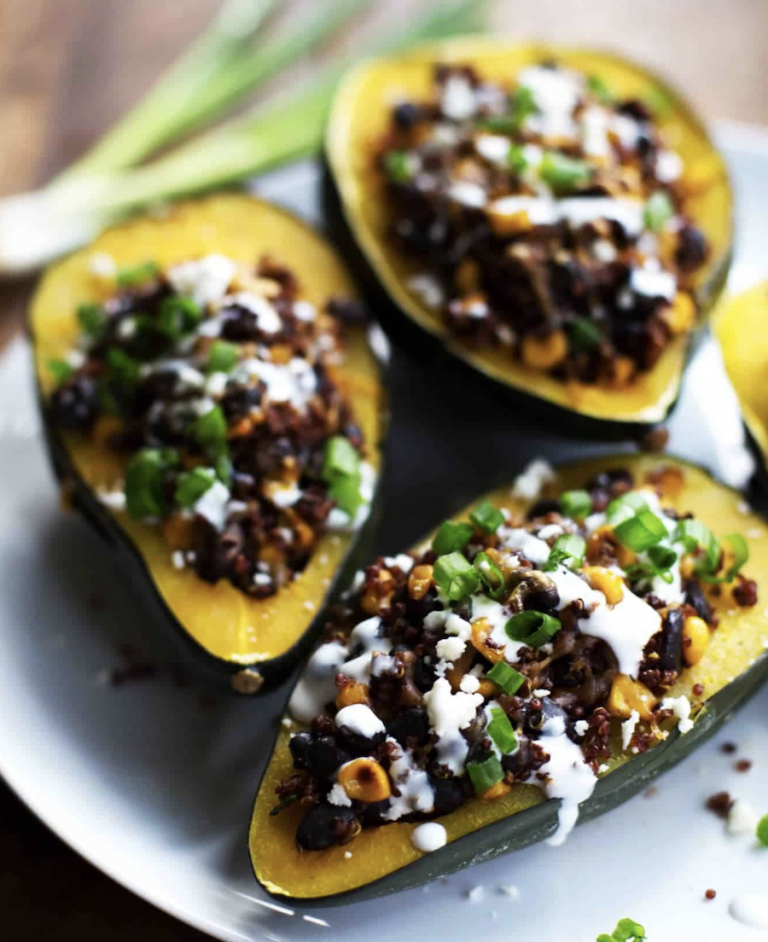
x=357 y=744
x=374 y=813
x=671 y=650
x=412 y=725
x=449 y=794
x=75 y=405
x=323 y=827
x=543 y=507
x=695 y=597
x=406 y=115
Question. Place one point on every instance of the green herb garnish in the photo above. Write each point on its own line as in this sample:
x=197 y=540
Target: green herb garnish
x=487 y=517
x=506 y=678
x=583 y=335
x=569 y=546
x=177 y=317
x=137 y=274
x=191 y=485
x=762 y=830
x=144 y=479
x=501 y=732
x=398 y=165
x=210 y=432
x=92 y=319
x=60 y=370
x=452 y=537
x=490 y=575
x=600 y=89
x=485 y=774
x=455 y=576
x=532 y=628
x=341 y=472
x=640 y=532
x=576 y=504
x=658 y=211
x=562 y=172
x=222 y=357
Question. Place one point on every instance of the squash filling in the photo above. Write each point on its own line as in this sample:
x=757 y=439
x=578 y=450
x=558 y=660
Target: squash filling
x=215 y=381
x=516 y=647
x=549 y=219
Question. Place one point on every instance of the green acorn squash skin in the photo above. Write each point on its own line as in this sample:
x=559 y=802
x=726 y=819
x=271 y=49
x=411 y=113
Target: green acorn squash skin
x=384 y=860
x=358 y=119
x=210 y=621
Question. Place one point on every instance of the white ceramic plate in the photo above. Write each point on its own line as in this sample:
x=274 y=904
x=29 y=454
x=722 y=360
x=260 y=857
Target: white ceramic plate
x=155 y=788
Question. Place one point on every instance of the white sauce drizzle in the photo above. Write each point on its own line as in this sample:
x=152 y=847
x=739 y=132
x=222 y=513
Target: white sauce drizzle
x=429 y=837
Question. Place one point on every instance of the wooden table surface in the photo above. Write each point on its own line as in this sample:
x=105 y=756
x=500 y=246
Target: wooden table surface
x=69 y=67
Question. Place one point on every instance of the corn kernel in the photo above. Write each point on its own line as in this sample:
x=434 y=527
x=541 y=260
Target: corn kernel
x=605 y=581
x=419 y=581
x=545 y=352
x=481 y=630
x=350 y=693
x=627 y=695
x=681 y=314
x=695 y=639
x=364 y=780
x=467 y=276
x=623 y=372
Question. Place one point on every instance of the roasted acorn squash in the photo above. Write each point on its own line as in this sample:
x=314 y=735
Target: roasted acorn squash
x=212 y=618
x=384 y=858
x=741 y=331
x=359 y=120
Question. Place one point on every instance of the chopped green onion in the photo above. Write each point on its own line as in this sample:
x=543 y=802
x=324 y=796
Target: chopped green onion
x=92 y=319
x=487 y=517
x=452 y=537
x=584 y=335
x=210 y=432
x=640 y=532
x=191 y=486
x=137 y=275
x=522 y=105
x=562 y=172
x=569 y=546
x=628 y=929
x=223 y=468
x=516 y=159
x=740 y=552
x=123 y=372
x=178 y=316
x=341 y=472
x=144 y=477
x=485 y=774
x=658 y=211
x=576 y=504
x=600 y=89
x=661 y=559
x=694 y=535
x=624 y=507
x=490 y=575
x=762 y=830
x=532 y=628
x=506 y=678
x=341 y=457
x=60 y=370
x=398 y=165
x=501 y=732
x=455 y=576
x=222 y=357
x=658 y=100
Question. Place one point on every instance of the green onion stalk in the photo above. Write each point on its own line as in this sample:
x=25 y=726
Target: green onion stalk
x=37 y=227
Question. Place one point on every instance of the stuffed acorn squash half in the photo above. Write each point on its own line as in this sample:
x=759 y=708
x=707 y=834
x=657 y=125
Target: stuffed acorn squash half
x=212 y=406
x=565 y=643
x=741 y=331
x=559 y=219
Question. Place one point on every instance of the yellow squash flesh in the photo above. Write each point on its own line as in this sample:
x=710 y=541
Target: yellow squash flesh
x=359 y=120
x=739 y=640
x=742 y=330
x=222 y=620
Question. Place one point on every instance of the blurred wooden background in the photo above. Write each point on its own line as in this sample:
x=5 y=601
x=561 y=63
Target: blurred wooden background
x=69 y=67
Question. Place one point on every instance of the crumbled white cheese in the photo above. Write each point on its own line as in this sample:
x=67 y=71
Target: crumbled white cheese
x=428 y=288
x=628 y=729
x=653 y=283
x=337 y=796
x=177 y=559
x=493 y=147
x=114 y=500
x=467 y=194
x=448 y=714
x=261 y=578
x=476 y=894
x=669 y=166
x=556 y=92
x=681 y=708
x=213 y=505
x=403 y=561
x=457 y=100
x=304 y=311
x=469 y=683
x=581 y=727
x=429 y=837
x=216 y=384
x=742 y=818
x=205 y=280
x=450 y=649
x=359 y=719
x=102 y=265
x=529 y=483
